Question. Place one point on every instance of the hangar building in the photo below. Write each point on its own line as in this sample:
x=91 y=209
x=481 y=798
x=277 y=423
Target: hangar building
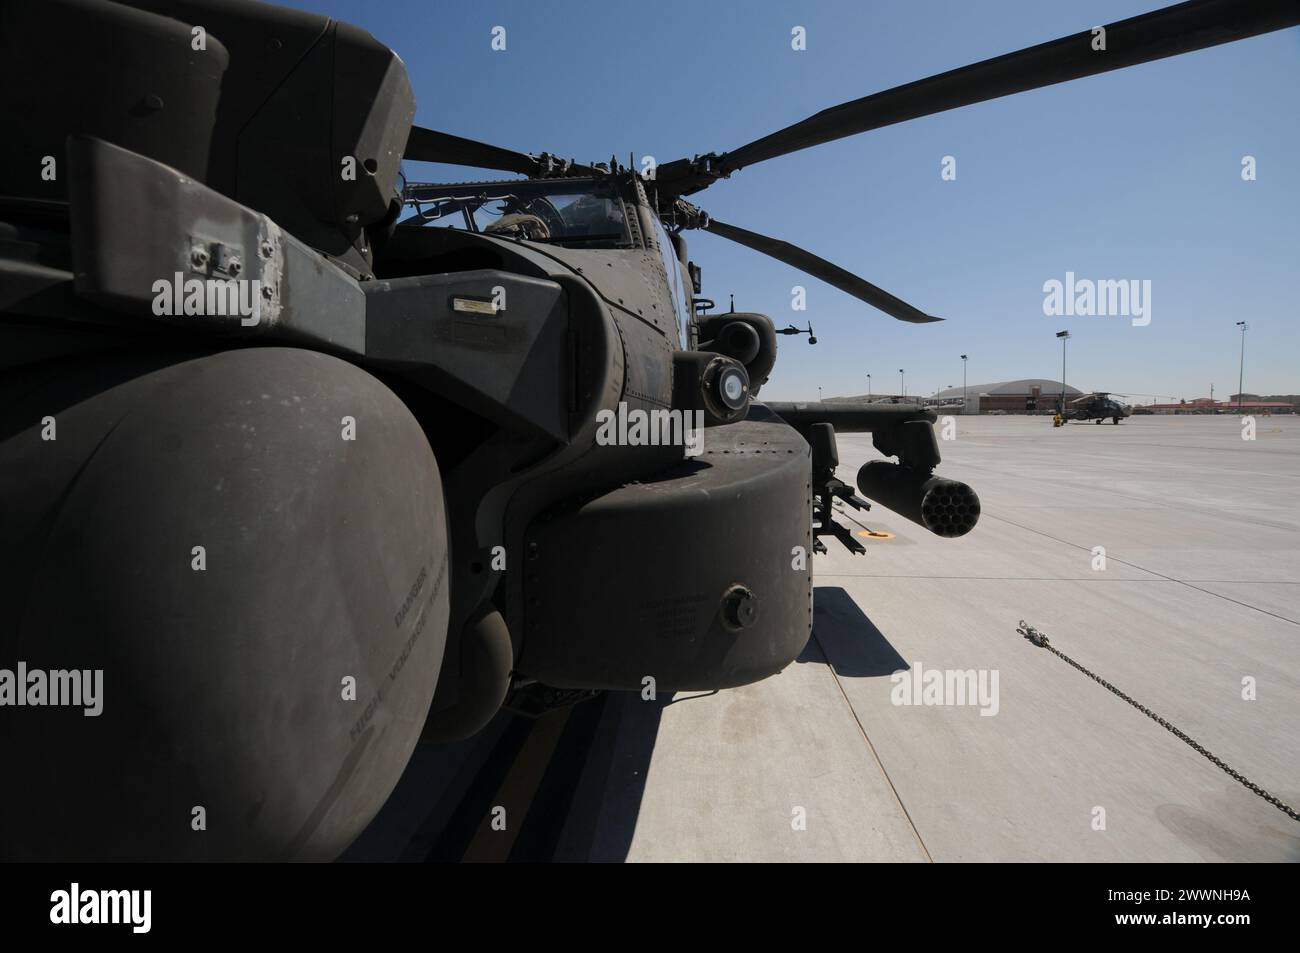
x=1032 y=395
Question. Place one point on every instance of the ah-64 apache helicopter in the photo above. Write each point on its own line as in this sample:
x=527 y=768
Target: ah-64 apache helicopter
x=1097 y=406
x=292 y=477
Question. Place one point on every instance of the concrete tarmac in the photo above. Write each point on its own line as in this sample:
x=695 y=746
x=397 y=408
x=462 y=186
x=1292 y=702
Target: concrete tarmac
x=1163 y=554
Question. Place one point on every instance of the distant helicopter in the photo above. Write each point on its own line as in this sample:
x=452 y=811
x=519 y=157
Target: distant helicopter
x=1097 y=406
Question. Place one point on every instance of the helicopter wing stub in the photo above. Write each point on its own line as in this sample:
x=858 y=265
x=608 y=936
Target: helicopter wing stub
x=1174 y=30
x=828 y=272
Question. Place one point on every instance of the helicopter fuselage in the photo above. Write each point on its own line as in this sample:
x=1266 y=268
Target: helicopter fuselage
x=385 y=507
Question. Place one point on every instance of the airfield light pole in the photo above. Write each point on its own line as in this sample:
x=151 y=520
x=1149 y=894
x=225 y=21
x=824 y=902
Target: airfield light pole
x=963 y=383
x=819 y=393
x=868 y=387
x=1064 y=336
x=901 y=386
x=1241 y=370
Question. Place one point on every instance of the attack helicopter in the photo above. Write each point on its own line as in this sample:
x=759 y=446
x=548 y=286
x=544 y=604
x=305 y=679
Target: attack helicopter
x=306 y=466
x=1098 y=406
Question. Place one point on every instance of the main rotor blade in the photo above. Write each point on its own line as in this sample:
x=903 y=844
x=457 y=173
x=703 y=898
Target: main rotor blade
x=830 y=273
x=1178 y=29
x=428 y=145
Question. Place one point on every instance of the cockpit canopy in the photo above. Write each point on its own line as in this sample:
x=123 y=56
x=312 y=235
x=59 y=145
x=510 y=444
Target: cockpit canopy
x=577 y=213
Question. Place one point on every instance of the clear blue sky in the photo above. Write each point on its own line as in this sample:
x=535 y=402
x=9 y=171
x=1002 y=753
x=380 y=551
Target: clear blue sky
x=1134 y=174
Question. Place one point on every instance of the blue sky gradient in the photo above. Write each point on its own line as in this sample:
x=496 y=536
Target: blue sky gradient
x=1133 y=174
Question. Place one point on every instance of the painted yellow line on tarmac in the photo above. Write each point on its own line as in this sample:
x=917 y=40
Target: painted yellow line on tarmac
x=517 y=791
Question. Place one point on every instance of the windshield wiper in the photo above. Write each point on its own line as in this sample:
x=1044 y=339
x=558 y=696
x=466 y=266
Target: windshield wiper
x=566 y=239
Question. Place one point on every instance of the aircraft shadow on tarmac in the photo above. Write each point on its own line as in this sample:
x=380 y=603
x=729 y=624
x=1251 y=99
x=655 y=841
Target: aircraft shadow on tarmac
x=846 y=640
x=571 y=782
